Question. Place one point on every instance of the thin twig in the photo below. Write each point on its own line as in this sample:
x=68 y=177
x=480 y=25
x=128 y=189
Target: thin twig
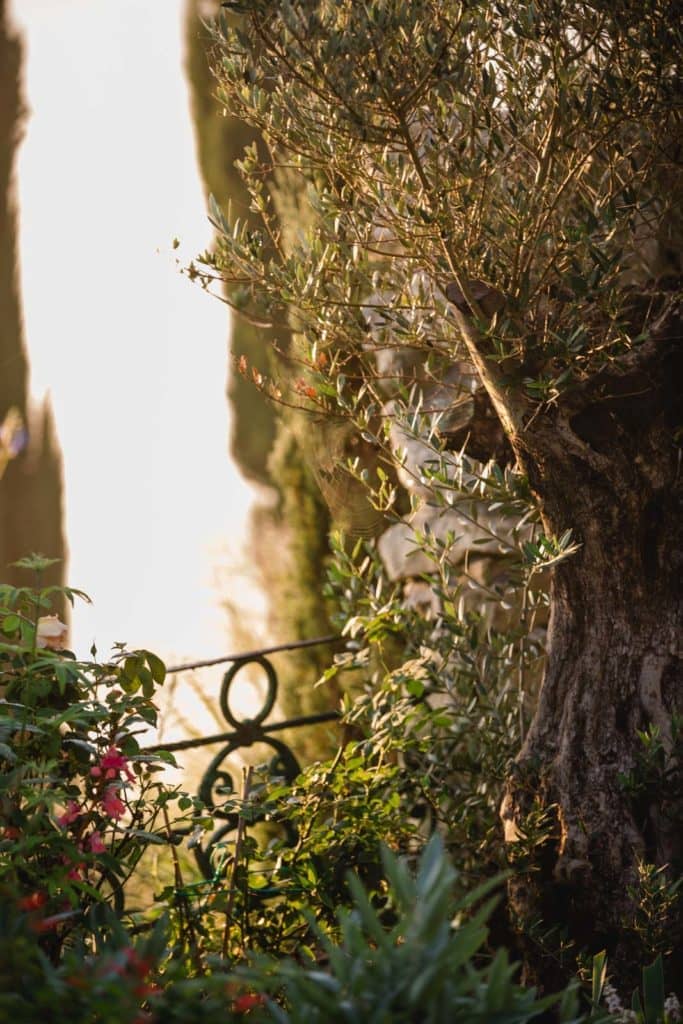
x=247 y=773
x=182 y=895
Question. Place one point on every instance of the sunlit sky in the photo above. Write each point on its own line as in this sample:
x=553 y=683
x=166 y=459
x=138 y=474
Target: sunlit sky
x=134 y=356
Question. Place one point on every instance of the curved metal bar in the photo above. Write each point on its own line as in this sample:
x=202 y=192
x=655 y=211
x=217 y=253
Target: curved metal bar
x=271 y=692
x=296 y=645
x=224 y=737
x=219 y=781
x=284 y=764
x=204 y=855
x=213 y=774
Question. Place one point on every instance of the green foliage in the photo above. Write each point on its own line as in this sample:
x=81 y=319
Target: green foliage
x=422 y=968
x=474 y=182
x=464 y=144
x=284 y=931
x=445 y=699
x=648 y=1005
x=655 y=778
x=80 y=800
x=657 y=903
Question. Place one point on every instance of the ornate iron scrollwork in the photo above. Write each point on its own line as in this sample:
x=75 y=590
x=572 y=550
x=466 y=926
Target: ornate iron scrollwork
x=218 y=782
x=218 y=785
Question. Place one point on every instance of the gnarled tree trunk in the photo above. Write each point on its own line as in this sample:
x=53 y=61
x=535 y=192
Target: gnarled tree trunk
x=607 y=462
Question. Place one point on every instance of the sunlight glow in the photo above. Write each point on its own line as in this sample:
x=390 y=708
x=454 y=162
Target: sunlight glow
x=133 y=355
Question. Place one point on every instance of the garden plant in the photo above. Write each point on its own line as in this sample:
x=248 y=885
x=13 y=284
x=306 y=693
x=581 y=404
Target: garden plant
x=481 y=292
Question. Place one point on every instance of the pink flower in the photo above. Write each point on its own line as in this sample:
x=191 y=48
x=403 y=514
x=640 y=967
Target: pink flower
x=111 y=765
x=95 y=844
x=72 y=812
x=75 y=873
x=112 y=803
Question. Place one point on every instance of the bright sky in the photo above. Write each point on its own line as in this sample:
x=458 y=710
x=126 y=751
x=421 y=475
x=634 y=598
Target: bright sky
x=133 y=355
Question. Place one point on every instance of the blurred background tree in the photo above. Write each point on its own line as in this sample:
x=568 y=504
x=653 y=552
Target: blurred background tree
x=31 y=515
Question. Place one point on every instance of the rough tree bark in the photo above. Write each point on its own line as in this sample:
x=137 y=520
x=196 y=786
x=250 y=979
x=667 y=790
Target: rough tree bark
x=607 y=462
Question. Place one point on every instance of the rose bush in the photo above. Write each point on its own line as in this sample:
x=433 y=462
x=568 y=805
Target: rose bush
x=80 y=801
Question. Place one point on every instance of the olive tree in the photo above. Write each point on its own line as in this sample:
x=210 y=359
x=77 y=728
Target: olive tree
x=496 y=186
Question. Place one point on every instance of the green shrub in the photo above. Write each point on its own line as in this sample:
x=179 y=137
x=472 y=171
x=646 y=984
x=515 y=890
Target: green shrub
x=333 y=906
x=80 y=801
